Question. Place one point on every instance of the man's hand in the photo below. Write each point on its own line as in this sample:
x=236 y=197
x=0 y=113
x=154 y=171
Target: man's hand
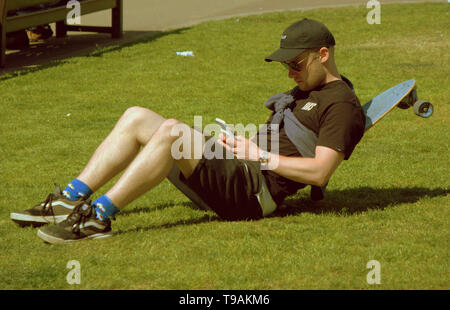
x=241 y=147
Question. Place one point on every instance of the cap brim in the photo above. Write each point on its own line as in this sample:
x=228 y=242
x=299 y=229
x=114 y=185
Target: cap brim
x=285 y=54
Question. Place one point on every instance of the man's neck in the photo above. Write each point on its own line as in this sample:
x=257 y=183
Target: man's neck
x=332 y=74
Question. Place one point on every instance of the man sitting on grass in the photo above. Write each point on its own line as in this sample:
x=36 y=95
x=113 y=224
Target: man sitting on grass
x=319 y=124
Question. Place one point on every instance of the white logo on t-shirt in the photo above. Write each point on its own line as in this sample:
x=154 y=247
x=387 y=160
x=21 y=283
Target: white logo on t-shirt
x=308 y=106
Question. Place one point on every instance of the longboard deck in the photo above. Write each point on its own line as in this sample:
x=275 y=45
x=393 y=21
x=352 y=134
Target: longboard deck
x=382 y=104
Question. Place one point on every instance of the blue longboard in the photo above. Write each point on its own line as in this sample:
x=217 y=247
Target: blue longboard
x=403 y=95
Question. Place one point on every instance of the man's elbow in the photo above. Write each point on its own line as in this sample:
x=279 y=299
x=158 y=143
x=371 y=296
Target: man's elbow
x=324 y=165
x=320 y=181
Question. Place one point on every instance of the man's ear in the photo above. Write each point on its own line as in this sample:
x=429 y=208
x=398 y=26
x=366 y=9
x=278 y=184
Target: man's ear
x=324 y=54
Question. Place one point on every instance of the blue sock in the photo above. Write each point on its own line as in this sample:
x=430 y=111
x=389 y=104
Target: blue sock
x=77 y=189
x=105 y=208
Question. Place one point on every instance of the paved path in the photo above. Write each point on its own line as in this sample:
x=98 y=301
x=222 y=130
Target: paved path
x=169 y=14
x=142 y=17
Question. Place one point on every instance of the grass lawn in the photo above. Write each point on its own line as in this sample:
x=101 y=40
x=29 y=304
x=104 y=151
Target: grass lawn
x=389 y=202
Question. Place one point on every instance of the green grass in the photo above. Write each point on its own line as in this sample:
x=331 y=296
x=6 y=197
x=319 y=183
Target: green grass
x=389 y=202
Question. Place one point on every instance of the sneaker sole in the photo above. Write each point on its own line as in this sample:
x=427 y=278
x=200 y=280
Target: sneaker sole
x=26 y=219
x=55 y=240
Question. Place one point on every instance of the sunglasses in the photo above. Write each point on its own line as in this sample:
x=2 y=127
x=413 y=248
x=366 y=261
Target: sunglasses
x=296 y=66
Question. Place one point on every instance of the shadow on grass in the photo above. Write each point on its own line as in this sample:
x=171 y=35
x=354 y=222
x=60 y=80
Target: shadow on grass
x=203 y=219
x=163 y=206
x=56 y=51
x=357 y=200
x=349 y=201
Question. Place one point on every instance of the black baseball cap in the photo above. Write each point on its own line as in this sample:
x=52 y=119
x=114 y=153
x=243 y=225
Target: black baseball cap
x=301 y=36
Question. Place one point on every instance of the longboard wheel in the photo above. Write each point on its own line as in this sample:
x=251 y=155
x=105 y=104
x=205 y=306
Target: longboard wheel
x=423 y=108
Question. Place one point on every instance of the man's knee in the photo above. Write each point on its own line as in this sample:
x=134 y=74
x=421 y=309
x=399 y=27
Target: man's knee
x=141 y=122
x=171 y=128
x=169 y=123
x=183 y=136
x=136 y=113
x=135 y=117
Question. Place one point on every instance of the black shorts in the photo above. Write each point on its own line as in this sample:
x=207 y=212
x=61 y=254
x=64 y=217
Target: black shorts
x=226 y=186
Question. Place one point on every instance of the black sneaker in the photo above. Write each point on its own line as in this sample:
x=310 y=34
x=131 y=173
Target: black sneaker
x=55 y=209
x=81 y=224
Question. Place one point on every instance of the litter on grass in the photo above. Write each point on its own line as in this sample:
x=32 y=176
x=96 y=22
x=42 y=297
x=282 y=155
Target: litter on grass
x=186 y=53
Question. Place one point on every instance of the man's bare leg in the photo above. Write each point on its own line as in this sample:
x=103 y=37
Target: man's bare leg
x=144 y=170
x=134 y=129
x=153 y=164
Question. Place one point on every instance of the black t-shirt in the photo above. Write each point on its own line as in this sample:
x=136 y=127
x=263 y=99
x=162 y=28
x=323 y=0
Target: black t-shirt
x=333 y=112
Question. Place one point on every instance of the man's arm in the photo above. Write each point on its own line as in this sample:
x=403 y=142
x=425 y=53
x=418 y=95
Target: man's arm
x=314 y=171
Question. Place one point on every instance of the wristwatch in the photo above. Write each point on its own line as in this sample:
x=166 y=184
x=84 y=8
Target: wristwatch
x=264 y=158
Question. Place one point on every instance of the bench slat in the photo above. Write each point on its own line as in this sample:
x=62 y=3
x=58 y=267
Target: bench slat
x=12 y=5
x=48 y=16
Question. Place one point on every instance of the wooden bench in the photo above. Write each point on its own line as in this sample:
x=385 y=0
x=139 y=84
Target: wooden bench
x=56 y=15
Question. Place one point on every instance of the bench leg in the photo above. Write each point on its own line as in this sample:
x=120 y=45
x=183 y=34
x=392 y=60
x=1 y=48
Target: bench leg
x=117 y=20
x=2 y=46
x=61 y=30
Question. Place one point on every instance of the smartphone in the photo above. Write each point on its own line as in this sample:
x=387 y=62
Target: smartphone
x=224 y=128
